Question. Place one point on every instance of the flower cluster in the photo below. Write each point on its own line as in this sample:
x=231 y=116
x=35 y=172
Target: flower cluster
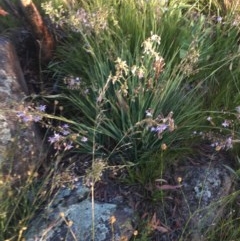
x=160 y=124
x=89 y=22
x=138 y=71
x=190 y=58
x=76 y=83
x=226 y=123
x=77 y=21
x=73 y=83
x=62 y=139
x=31 y=114
x=218 y=141
x=148 y=45
x=55 y=13
x=225 y=143
x=95 y=172
x=122 y=71
x=222 y=137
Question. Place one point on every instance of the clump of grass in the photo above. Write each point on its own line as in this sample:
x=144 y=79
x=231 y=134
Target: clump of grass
x=135 y=100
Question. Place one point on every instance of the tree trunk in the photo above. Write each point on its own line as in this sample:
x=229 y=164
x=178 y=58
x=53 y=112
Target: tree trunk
x=40 y=30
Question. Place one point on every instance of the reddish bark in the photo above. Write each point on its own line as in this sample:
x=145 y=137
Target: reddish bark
x=39 y=29
x=3 y=12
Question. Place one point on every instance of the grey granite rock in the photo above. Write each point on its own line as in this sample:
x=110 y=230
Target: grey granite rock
x=204 y=188
x=20 y=145
x=73 y=216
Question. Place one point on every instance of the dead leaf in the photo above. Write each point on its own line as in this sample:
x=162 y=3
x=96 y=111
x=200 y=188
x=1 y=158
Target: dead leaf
x=161 y=229
x=156 y=224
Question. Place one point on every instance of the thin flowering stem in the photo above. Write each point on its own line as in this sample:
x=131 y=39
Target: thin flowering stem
x=60 y=118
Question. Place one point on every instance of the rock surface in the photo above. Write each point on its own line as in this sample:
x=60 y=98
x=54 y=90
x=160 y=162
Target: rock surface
x=203 y=190
x=69 y=217
x=19 y=145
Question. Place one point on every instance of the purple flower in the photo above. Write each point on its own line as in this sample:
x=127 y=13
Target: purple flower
x=26 y=119
x=64 y=129
x=37 y=118
x=65 y=126
x=65 y=132
x=161 y=128
x=68 y=146
x=56 y=138
x=219 y=19
x=228 y=143
x=214 y=144
x=41 y=108
x=20 y=114
x=225 y=123
x=153 y=129
x=51 y=139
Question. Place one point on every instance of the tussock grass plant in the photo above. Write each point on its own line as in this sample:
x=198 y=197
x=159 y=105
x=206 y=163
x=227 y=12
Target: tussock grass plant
x=133 y=96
